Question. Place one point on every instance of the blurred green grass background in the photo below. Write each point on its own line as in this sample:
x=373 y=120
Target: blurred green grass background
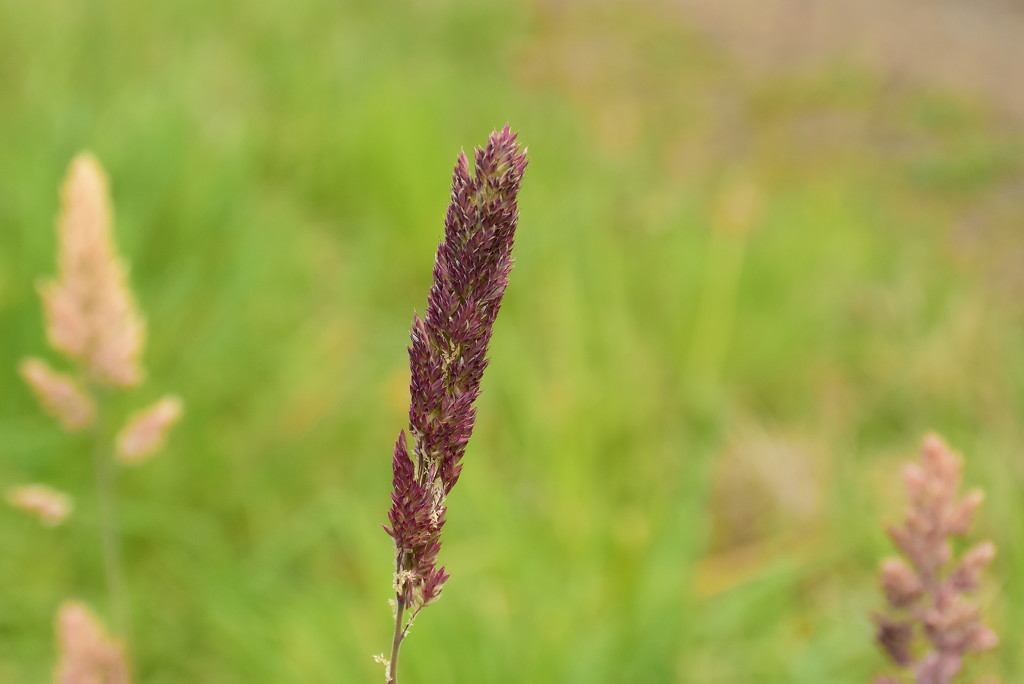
x=739 y=302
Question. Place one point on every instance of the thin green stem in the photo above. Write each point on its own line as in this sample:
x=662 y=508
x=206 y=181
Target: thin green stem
x=110 y=542
x=396 y=642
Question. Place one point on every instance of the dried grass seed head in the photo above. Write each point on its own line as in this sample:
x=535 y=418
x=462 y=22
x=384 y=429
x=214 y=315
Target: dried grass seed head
x=60 y=395
x=90 y=311
x=86 y=653
x=146 y=431
x=928 y=592
x=47 y=504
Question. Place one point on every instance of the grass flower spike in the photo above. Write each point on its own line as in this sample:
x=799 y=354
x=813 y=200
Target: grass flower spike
x=45 y=503
x=146 y=431
x=927 y=591
x=86 y=653
x=90 y=312
x=91 y=319
x=60 y=395
x=447 y=358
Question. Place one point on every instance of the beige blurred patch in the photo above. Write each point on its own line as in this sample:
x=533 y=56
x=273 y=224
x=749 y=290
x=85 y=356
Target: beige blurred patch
x=968 y=46
x=610 y=63
x=986 y=242
x=721 y=571
x=765 y=483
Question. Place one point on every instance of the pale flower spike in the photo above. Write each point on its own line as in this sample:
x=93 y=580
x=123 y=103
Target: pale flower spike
x=90 y=313
x=145 y=432
x=50 y=506
x=932 y=624
x=86 y=654
x=60 y=395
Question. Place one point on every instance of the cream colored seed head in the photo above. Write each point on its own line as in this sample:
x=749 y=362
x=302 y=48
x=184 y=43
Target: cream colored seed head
x=87 y=654
x=90 y=311
x=50 y=506
x=59 y=394
x=146 y=431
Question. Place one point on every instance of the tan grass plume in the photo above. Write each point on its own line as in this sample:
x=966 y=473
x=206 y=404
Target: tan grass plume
x=146 y=431
x=92 y=320
x=60 y=395
x=86 y=653
x=47 y=504
x=90 y=312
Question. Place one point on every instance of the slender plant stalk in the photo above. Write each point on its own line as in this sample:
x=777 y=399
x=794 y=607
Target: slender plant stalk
x=110 y=542
x=396 y=641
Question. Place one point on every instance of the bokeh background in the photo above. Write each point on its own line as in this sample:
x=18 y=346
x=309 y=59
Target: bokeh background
x=764 y=248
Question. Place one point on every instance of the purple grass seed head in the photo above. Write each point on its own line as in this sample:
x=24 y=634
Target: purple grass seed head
x=448 y=356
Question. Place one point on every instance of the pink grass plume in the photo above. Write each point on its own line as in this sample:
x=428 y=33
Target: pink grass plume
x=146 y=431
x=60 y=395
x=932 y=625
x=86 y=653
x=90 y=312
x=91 y=319
x=45 y=503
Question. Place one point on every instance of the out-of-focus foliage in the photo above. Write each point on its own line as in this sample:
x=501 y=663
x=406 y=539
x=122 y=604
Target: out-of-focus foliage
x=738 y=303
